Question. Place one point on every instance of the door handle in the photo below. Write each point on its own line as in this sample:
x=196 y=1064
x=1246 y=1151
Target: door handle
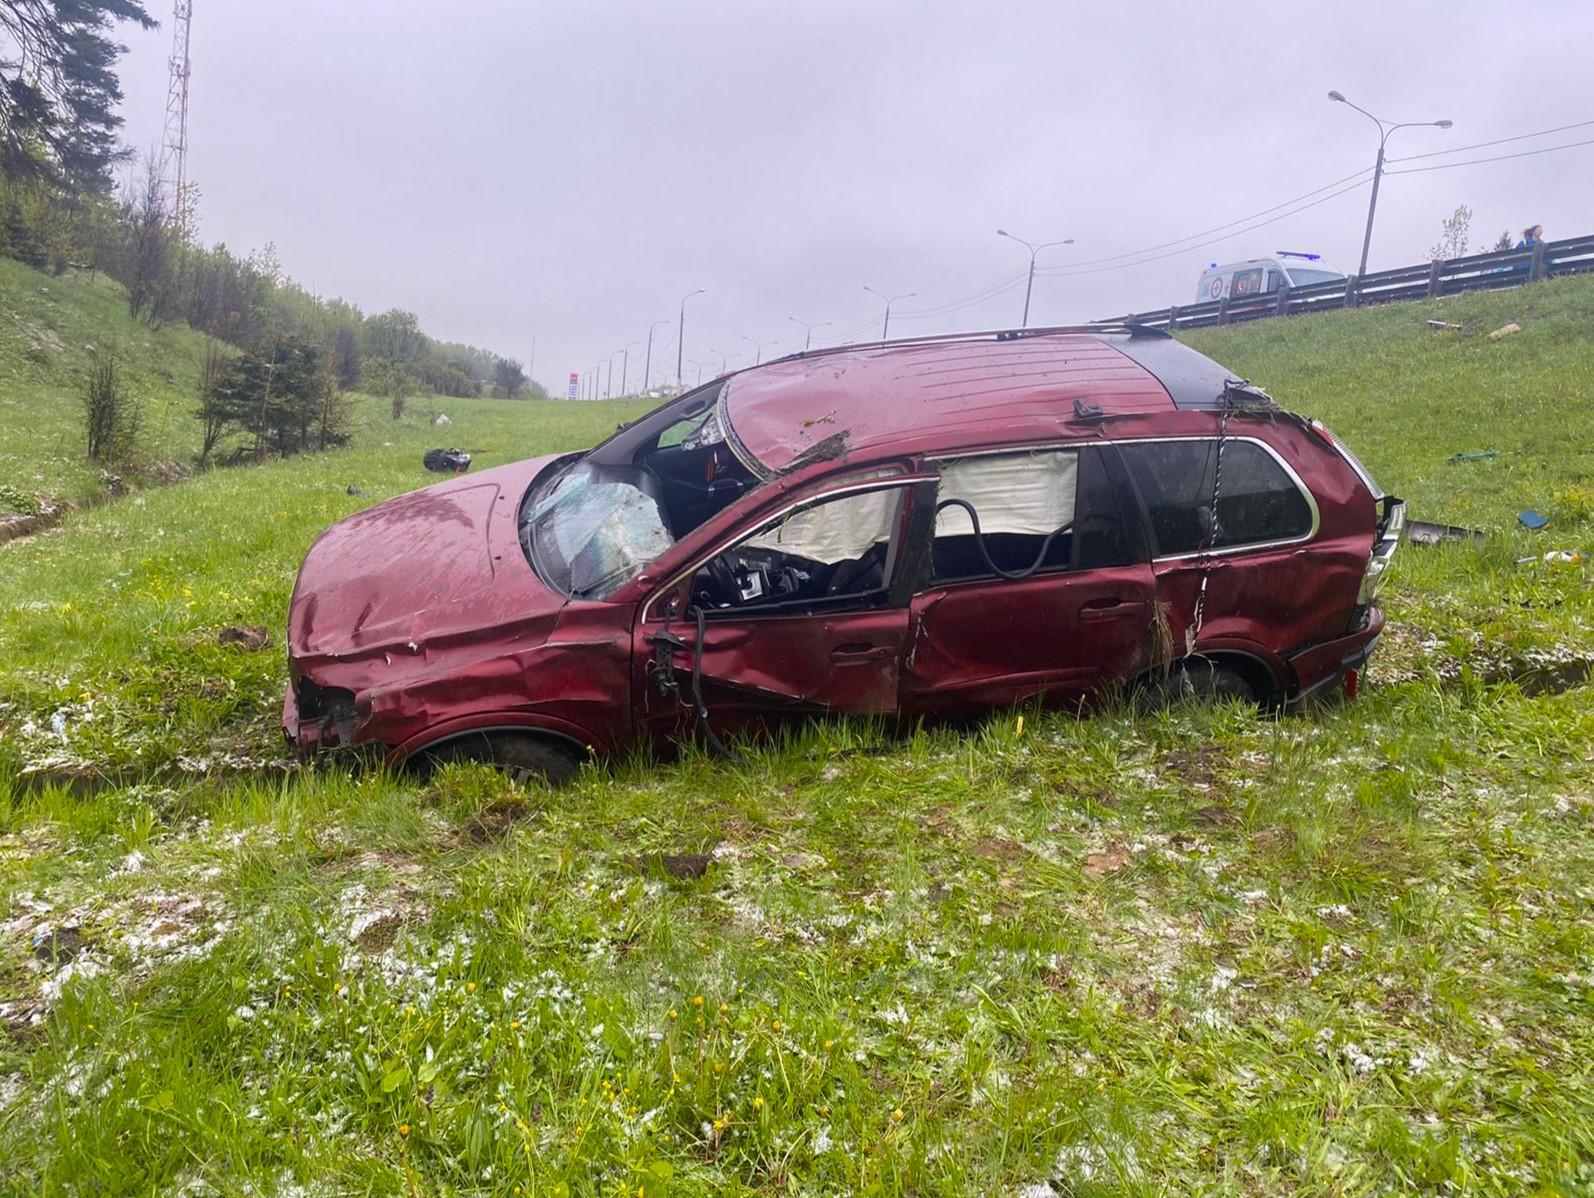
x=1112 y=608
x=855 y=654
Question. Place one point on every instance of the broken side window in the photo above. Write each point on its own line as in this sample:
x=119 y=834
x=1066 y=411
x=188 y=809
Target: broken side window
x=838 y=550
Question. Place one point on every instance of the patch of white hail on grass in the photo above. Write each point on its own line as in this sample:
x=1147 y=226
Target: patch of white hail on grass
x=1222 y=978
x=84 y=967
x=131 y=864
x=175 y=926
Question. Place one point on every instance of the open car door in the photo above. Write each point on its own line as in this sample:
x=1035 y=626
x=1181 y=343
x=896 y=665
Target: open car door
x=804 y=614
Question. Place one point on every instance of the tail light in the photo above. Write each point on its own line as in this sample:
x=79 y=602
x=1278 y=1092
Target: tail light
x=1391 y=527
x=1354 y=462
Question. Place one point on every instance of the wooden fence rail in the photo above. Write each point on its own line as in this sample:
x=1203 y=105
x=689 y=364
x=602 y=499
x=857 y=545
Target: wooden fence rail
x=1430 y=280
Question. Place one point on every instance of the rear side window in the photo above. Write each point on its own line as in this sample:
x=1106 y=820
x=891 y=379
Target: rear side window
x=1057 y=507
x=1258 y=501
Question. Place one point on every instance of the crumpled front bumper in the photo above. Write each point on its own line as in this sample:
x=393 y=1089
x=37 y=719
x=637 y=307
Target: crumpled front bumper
x=320 y=718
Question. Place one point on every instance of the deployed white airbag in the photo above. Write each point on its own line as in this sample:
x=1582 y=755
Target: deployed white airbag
x=1022 y=492
x=837 y=531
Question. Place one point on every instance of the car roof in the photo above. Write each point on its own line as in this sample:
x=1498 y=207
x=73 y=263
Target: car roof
x=947 y=391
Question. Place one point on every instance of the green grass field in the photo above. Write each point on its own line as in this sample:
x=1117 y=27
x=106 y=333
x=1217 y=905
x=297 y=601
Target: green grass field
x=1200 y=952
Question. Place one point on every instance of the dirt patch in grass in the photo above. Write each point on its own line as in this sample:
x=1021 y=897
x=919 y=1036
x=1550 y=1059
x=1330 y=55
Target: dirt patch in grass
x=493 y=823
x=681 y=866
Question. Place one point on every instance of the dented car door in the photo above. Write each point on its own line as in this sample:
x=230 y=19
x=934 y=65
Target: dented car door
x=1058 y=601
x=806 y=614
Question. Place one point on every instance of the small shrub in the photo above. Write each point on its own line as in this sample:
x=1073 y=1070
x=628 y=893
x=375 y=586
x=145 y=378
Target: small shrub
x=15 y=501
x=111 y=417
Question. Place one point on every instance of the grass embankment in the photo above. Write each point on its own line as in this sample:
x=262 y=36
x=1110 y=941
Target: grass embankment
x=51 y=331
x=1198 y=953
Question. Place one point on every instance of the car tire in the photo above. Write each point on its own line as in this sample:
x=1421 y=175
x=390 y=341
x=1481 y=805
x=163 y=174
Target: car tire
x=1200 y=681
x=524 y=757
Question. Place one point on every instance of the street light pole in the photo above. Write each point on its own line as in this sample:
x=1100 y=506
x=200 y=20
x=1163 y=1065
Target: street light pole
x=808 y=327
x=612 y=355
x=758 y=348
x=680 y=330
x=1385 y=128
x=724 y=357
x=647 y=367
x=625 y=365
x=1034 y=250
x=885 y=327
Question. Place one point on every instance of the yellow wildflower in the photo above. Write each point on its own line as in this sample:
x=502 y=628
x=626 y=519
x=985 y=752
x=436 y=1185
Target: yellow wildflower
x=404 y=1129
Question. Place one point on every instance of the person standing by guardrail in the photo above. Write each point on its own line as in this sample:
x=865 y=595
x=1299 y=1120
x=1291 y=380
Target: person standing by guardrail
x=1531 y=236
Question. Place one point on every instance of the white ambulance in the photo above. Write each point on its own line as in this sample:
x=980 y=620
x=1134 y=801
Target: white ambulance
x=1262 y=276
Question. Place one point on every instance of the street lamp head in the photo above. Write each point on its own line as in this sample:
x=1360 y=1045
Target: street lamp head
x=1003 y=233
x=1338 y=97
x=1444 y=124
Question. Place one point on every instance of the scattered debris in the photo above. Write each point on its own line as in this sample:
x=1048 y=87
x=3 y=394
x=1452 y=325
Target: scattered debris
x=442 y=420
x=1421 y=532
x=351 y=489
x=1532 y=519
x=245 y=636
x=446 y=461
x=1505 y=330
x=1563 y=557
x=1476 y=455
x=1438 y=325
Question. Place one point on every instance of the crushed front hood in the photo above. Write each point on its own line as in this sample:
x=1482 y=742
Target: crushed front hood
x=425 y=567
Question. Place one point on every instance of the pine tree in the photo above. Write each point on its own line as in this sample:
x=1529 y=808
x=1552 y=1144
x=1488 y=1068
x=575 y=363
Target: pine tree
x=59 y=90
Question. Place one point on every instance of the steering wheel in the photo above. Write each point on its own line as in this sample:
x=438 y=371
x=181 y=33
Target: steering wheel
x=724 y=579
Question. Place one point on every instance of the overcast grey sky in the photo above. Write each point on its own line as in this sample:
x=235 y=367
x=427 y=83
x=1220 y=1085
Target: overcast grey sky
x=568 y=170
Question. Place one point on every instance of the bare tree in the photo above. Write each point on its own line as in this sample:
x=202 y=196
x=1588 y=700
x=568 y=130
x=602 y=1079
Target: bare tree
x=1453 y=244
x=212 y=411
x=150 y=274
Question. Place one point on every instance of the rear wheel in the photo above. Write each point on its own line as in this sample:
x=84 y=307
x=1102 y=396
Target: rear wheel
x=523 y=756
x=1199 y=680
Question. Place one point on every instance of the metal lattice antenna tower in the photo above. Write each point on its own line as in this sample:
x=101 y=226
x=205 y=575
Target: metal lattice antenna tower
x=174 y=144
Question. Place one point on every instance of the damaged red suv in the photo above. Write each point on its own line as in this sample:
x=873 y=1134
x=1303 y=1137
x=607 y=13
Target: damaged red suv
x=918 y=529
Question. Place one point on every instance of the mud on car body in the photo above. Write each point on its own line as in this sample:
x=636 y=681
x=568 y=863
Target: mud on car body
x=916 y=528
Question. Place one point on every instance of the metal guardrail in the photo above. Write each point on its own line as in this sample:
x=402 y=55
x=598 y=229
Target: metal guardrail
x=1430 y=280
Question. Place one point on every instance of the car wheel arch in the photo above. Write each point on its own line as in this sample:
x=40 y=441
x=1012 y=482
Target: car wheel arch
x=1264 y=681
x=433 y=740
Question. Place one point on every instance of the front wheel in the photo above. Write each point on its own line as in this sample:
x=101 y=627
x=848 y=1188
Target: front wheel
x=523 y=756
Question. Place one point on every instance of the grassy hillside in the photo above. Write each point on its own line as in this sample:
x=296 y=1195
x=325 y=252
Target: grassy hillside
x=1409 y=397
x=1204 y=952
x=51 y=330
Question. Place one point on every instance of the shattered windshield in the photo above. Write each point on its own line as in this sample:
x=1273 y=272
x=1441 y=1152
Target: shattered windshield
x=593 y=529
